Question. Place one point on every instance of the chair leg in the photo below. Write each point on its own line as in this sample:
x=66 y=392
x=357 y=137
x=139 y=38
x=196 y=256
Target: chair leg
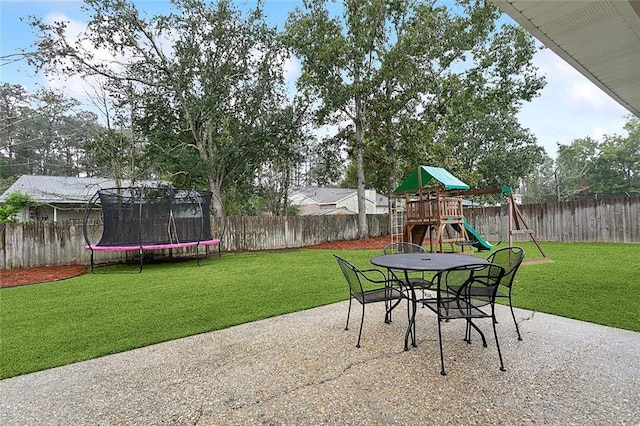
x=409 y=329
x=513 y=315
x=348 y=313
x=361 y=325
x=413 y=328
x=442 y=371
x=472 y=324
x=495 y=334
x=388 y=307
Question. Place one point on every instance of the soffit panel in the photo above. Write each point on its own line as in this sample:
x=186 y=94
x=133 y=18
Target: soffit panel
x=600 y=39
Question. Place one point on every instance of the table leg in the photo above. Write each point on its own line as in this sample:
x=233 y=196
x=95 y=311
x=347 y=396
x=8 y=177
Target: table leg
x=412 y=306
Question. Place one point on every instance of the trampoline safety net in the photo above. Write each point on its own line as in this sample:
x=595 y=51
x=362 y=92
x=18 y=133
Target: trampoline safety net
x=142 y=216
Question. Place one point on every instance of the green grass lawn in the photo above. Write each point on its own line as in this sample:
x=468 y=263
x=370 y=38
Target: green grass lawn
x=48 y=325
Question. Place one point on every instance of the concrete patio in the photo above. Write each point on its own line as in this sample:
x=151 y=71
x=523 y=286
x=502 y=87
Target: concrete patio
x=304 y=369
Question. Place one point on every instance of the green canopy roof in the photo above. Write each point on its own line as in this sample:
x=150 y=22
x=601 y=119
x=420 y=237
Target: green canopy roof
x=425 y=176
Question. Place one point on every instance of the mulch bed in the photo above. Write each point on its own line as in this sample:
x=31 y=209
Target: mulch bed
x=43 y=274
x=25 y=276
x=376 y=243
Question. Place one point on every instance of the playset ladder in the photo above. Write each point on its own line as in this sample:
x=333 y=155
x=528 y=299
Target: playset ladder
x=397 y=218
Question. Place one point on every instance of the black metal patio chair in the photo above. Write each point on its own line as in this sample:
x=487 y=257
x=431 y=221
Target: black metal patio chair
x=454 y=300
x=510 y=258
x=402 y=247
x=418 y=282
x=367 y=288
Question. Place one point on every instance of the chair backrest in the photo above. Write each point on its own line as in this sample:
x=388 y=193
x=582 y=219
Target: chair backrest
x=510 y=259
x=478 y=281
x=403 y=247
x=351 y=274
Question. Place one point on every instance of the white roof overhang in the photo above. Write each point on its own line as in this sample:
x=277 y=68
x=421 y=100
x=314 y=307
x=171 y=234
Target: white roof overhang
x=600 y=39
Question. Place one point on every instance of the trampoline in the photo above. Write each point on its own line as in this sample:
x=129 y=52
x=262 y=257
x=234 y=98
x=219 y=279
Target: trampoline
x=142 y=218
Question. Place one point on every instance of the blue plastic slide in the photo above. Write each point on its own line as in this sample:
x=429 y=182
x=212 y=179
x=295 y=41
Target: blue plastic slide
x=480 y=243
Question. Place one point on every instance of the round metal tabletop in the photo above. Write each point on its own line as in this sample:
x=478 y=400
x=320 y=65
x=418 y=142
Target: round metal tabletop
x=425 y=261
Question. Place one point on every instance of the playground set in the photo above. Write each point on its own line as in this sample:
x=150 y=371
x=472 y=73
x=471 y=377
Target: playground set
x=429 y=204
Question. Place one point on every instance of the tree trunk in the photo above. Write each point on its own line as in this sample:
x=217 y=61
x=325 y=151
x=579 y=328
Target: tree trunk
x=216 y=199
x=362 y=207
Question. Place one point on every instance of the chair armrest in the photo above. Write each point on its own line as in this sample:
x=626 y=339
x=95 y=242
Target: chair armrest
x=368 y=273
x=387 y=281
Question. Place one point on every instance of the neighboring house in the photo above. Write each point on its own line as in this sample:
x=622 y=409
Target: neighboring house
x=336 y=201
x=58 y=197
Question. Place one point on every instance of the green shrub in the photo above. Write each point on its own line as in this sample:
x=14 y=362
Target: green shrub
x=12 y=205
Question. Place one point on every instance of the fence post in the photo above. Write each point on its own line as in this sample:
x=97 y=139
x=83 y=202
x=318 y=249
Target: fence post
x=607 y=220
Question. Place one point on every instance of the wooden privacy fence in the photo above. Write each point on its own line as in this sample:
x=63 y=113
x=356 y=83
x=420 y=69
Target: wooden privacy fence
x=58 y=243
x=615 y=220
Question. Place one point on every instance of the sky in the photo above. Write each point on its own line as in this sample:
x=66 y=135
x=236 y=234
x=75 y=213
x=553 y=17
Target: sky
x=568 y=108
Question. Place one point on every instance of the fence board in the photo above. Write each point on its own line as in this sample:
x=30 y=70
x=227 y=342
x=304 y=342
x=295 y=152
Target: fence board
x=614 y=220
x=60 y=243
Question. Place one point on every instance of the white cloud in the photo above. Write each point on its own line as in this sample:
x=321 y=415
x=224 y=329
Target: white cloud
x=572 y=88
x=551 y=64
x=598 y=132
x=569 y=107
x=584 y=94
x=292 y=69
x=73 y=28
x=76 y=86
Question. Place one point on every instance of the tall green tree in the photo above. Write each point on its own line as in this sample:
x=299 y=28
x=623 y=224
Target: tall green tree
x=55 y=132
x=288 y=137
x=453 y=84
x=117 y=148
x=617 y=167
x=339 y=65
x=539 y=186
x=586 y=167
x=574 y=167
x=205 y=76
x=14 y=111
x=418 y=82
x=43 y=133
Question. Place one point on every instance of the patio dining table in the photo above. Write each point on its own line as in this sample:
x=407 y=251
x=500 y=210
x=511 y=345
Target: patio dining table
x=421 y=262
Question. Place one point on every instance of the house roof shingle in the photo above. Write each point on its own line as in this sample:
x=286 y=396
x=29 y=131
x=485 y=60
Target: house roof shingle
x=62 y=189
x=331 y=211
x=325 y=195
